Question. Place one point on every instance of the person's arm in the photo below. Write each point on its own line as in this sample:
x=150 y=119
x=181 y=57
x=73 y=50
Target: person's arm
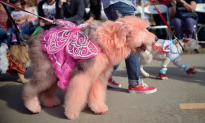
x=173 y=8
x=41 y=13
x=80 y=11
x=59 y=10
x=189 y=7
x=91 y=13
x=154 y=2
x=37 y=1
x=90 y=20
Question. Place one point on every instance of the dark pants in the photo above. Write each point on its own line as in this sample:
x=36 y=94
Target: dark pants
x=201 y=19
x=161 y=33
x=178 y=27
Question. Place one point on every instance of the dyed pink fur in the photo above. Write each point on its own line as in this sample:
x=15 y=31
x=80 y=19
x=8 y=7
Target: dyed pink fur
x=89 y=80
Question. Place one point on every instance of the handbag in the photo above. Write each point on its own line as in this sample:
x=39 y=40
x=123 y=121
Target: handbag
x=184 y=14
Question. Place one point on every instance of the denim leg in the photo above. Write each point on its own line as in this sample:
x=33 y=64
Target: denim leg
x=189 y=23
x=113 y=12
x=9 y=35
x=2 y=34
x=14 y=32
x=26 y=30
x=178 y=28
x=133 y=69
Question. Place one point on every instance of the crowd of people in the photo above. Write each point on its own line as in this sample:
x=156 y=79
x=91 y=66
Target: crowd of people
x=70 y=10
x=74 y=11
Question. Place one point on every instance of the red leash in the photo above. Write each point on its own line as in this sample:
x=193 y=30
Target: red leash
x=167 y=25
x=164 y=20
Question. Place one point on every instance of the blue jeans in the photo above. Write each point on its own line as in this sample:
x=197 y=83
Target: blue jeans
x=114 y=12
x=25 y=30
x=2 y=34
x=5 y=36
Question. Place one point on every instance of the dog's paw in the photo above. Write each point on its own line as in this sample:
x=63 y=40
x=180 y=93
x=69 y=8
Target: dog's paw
x=33 y=105
x=71 y=115
x=49 y=101
x=146 y=74
x=100 y=109
x=164 y=78
x=194 y=72
x=23 y=80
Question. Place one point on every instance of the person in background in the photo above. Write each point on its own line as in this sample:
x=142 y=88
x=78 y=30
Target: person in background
x=30 y=5
x=176 y=22
x=20 y=18
x=5 y=24
x=161 y=33
x=145 y=3
x=47 y=9
x=119 y=8
x=71 y=10
x=95 y=10
x=201 y=19
x=38 y=1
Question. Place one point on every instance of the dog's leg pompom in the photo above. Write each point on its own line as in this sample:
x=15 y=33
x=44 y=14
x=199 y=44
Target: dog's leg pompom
x=163 y=70
x=33 y=104
x=162 y=76
x=76 y=95
x=97 y=95
x=48 y=97
x=80 y=84
x=39 y=83
x=191 y=71
x=185 y=68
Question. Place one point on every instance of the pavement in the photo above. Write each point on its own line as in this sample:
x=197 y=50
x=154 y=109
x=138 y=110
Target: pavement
x=160 y=107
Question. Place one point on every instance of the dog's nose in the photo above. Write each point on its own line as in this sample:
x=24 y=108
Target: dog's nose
x=156 y=39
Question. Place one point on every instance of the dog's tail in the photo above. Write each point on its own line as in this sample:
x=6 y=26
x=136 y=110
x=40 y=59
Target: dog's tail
x=34 y=41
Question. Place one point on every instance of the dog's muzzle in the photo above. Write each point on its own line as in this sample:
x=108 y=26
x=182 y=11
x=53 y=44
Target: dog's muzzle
x=196 y=51
x=156 y=39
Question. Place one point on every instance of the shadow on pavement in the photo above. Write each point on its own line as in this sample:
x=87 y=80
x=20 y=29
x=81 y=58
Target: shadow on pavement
x=9 y=77
x=11 y=93
x=117 y=89
x=173 y=73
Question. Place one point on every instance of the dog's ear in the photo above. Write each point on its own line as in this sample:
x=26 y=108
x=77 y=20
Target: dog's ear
x=185 y=46
x=120 y=36
x=119 y=39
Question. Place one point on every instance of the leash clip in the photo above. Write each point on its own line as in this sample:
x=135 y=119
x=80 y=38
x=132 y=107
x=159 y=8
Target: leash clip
x=57 y=23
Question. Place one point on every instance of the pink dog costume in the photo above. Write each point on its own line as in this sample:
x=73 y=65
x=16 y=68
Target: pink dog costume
x=65 y=46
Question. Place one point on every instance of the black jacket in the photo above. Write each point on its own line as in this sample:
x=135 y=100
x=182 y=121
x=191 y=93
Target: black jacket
x=95 y=9
x=75 y=12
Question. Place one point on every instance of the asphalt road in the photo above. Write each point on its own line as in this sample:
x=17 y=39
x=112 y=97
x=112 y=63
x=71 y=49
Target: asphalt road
x=160 y=107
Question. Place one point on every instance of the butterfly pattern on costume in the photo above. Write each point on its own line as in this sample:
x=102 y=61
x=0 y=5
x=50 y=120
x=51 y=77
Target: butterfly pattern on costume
x=78 y=44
